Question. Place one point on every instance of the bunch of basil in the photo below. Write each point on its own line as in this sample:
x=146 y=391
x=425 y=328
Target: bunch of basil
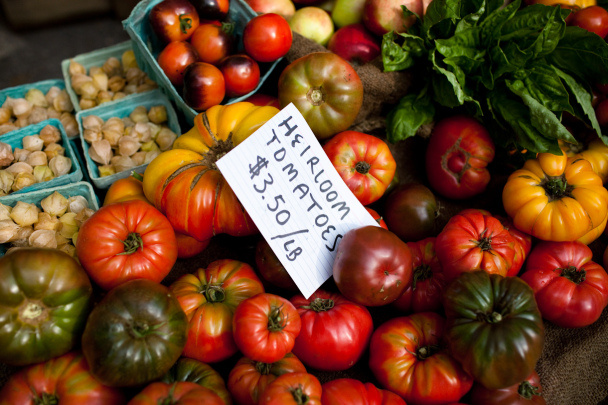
x=516 y=69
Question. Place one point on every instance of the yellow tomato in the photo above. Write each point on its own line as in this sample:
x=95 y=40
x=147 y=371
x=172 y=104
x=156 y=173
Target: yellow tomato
x=597 y=154
x=129 y=188
x=556 y=198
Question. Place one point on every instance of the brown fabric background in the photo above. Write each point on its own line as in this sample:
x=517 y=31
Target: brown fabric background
x=574 y=364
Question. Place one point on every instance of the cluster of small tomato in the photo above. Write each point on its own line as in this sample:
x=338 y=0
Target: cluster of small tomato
x=201 y=56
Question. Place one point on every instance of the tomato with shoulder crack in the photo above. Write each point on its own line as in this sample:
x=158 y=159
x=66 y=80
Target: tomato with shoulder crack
x=457 y=157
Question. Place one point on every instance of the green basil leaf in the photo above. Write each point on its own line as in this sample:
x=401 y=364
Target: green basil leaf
x=516 y=115
x=507 y=59
x=464 y=43
x=550 y=35
x=530 y=21
x=583 y=54
x=441 y=18
x=411 y=113
x=400 y=57
x=492 y=24
x=541 y=118
x=545 y=86
x=449 y=89
x=583 y=98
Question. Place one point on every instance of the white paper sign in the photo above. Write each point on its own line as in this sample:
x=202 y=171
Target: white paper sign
x=294 y=195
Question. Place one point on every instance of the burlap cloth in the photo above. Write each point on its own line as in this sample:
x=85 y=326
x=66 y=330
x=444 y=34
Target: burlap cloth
x=574 y=364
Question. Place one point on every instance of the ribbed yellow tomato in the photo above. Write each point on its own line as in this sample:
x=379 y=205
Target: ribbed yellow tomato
x=597 y=154
x=186 y=186
x=556 y=198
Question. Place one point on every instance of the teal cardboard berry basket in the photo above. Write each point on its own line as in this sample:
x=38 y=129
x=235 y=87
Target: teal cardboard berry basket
x=146 y=47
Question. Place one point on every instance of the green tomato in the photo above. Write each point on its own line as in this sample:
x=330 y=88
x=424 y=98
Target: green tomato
x=494 y=328
x=45 y=298
x=135 y=334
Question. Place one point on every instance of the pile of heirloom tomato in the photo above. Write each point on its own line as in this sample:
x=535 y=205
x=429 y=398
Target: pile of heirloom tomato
x=466 y=302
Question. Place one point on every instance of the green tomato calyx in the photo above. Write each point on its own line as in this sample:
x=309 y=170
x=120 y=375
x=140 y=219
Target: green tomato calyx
x=320 y=304
x=573 y=274
x=527 y=390
x=132 y=243
x=299 y=396
x=45 y=399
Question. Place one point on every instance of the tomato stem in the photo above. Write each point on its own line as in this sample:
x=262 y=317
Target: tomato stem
x=556 y=187
x=362 y=167
x=299 y=396
x=316 y=95
x=45 y=399
x=421 y=273
x=320 y=304
x=185 y=23
x=573 y=274
x=263 y=368
x=484 y=242
x=424 y=352
x=137 y=175
x=132 y=243
x=140 y=329
x=276 y=322
x=527 y=390
x=493 y=317
x=214 y=293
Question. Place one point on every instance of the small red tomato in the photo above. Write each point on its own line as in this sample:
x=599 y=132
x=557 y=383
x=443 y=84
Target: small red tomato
x=411 y=212
x=364 y=162
x=601 y=112
x=241 y=74
x=265 y=327
x=175 y=58
x=203 y=86
x=173 y=20
x=593 y=19
x=458 y=152
x=212 y=9
x=213 y=41
x=267 y=37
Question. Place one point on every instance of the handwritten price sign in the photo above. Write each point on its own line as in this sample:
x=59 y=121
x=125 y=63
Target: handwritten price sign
x=295 y=196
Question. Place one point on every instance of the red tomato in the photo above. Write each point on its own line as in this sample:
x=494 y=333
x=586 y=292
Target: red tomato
x=265 y=327
x=407 y=357
x=249 y=378
x=348 y=391
x=212 y=9
x=522 y=246
x=601 y=112
x=372 y=266
x=173 y=20
x=209 y=298
x=334 y=333
x=62 y=380
x=188 y=247
x=527 y=392
x=425 y=292
x=474 y=240
x=126 y=241
x=178 y=393
x=458 y=152
x=271 y=268
x=292 y=389
x=364 y=162
x=571 y=290
x=214 y=41
x=411 y=211
x=261 y=99
x=175 y=58
x=593 y=19
x=241 y=74
x=377 y=217
x=204 y=86
x=267 y=37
